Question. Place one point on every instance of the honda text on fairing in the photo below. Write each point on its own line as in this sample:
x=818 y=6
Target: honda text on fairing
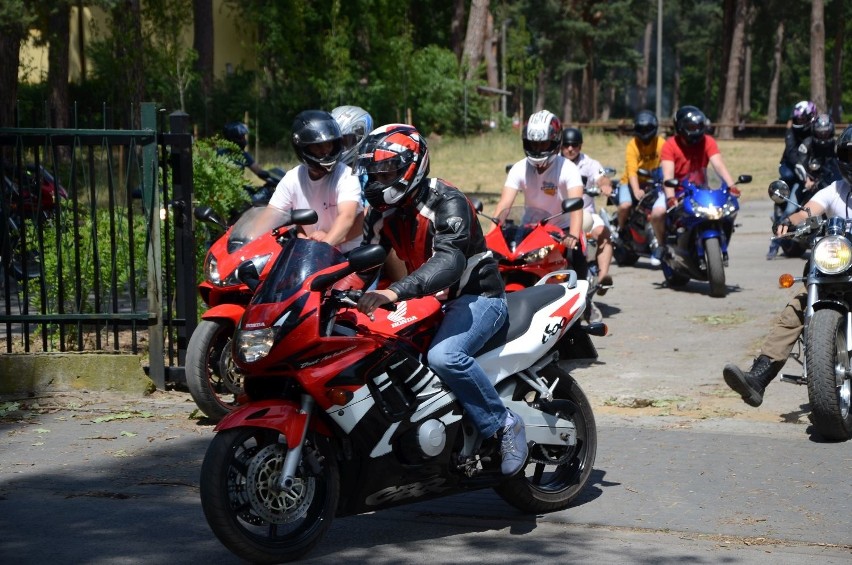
x=343 y=417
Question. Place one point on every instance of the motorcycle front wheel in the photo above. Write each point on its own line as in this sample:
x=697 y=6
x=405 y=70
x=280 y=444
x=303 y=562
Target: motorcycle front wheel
x=211 y=375
x=715 y=267
x=829 y=383
x=554 y=477
x=244 y=507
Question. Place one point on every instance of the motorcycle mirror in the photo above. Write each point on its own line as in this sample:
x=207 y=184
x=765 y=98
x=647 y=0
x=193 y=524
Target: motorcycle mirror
x=609 y=171
x=248 y=275
x=509 y=167
x=744 y=179
x=477 y=205
x=671 y=183
x=779 y=191
x=304 y=217
x=366 y=257
x=571 y=204
x=206 y=214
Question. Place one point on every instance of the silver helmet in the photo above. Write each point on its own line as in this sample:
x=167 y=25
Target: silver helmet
x=355 y=123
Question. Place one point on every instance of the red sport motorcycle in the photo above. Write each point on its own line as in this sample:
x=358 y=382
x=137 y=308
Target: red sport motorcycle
x=214 y=381
x=343 y=417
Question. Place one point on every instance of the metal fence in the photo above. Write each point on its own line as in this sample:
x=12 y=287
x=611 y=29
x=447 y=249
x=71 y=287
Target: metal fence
x=96 y=251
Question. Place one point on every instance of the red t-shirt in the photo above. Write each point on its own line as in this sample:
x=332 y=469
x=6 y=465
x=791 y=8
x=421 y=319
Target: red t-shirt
x=690 y=161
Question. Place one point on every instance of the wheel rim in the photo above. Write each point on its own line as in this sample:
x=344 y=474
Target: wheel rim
x=223 y=376
x=841 y=373
x=555 y=469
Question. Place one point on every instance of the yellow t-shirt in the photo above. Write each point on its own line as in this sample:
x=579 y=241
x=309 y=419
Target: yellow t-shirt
x=640 y=155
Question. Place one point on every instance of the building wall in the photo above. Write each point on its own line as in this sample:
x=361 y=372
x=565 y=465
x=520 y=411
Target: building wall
x=232 y=46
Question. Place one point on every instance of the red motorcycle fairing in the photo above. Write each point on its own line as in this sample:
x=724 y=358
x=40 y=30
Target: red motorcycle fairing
x=280 y=415
x=226 y=311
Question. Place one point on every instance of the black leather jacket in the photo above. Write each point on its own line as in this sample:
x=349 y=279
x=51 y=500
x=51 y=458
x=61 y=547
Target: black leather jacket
x=440 y=240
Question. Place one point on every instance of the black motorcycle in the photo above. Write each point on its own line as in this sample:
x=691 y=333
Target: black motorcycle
x=827 y=334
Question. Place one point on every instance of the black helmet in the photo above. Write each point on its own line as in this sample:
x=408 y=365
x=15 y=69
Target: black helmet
x=236 y=132
x=844 y=154
x=690 y=124
x=316 y=127
x=572 y=136
x=645 y=125
x=823 y=131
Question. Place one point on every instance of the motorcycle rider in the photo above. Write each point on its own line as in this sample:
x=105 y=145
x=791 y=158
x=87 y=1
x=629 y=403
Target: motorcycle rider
x=547 y=178
x=355 y=123
x=799 y=128
x=819 y=164
x=433 y=228
x=321 y=183
x=642 y=152
x=237 y=133
x=685 y=156
x=833 y=200
x=593 y=171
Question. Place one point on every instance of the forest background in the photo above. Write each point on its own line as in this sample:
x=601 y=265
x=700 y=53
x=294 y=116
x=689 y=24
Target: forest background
x=438 y=63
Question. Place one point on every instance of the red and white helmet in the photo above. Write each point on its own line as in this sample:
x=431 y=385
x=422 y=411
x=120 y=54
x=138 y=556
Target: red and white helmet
x=542 y=137
x=393 y=161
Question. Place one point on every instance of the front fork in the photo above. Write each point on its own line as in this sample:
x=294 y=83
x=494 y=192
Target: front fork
x=294 y=455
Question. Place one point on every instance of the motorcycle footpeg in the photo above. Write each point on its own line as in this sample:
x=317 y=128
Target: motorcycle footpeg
x=794 y=379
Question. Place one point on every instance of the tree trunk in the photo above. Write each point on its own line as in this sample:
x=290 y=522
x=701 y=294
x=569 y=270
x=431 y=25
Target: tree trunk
x=567 y=97
x=59 y=36
x=746 y=99
x=456 y=27
x=777 y=58
x=818 y=53
x=10 y=54
x=837 y=66
x=735 y=65
x=474 y=39
x=643 y=72
x=490 y=53
x=203 y=44
x=541 y=90
x=729 y=17
x=127 y=17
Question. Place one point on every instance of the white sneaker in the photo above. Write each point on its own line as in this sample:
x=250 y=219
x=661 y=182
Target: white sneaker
x=595 y=314
x=656 y=256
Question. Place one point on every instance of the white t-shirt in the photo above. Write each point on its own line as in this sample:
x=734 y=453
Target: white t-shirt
x=544 y=190
x=835 y=199
x=592 y=170
x=297 y=190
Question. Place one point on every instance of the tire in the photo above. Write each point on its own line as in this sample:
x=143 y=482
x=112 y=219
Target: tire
x=826 y=359
x=624 y=257
x=544 y=487
x=250 y=518
x=715 y=267
x=211 y=376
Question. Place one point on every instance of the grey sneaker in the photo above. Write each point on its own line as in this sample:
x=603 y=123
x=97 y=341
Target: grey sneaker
x=513 y=444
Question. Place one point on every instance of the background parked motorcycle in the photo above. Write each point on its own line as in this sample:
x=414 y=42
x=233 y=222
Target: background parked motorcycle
x=826 y=368
x=214 y=381
x=698 y=231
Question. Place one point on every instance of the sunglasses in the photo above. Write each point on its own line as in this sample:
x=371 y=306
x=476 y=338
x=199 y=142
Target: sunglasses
x=571 y=145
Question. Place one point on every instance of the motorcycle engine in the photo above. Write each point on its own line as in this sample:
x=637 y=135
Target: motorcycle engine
x=425 y=441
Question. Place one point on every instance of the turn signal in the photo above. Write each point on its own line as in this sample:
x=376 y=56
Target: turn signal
x=339 y=396
x=786 y=280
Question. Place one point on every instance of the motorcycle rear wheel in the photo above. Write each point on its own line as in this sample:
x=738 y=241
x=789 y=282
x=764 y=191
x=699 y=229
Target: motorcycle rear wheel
x=715 y=267
x=211 y=376
x=547 y=488
x=245 y=510
x=827 y=360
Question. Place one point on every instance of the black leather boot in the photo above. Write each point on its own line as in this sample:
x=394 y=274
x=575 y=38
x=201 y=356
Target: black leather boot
x=751 y=385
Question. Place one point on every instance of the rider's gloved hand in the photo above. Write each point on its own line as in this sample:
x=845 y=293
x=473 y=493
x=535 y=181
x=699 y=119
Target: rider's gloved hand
x=735 y=192
x=780 y=227
x=671 y=202
x=264 y=175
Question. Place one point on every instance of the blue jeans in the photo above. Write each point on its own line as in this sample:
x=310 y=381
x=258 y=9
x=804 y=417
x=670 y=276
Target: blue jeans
x=469 y=322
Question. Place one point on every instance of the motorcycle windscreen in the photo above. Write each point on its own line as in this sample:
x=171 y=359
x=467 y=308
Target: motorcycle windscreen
x=248 y=227
x=518 y=221
x=299 y=259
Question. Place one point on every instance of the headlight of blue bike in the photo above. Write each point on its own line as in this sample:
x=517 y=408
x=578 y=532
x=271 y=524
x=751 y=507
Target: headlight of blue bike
x=254 y=345
x=833 y=254
x=537 y=255
x=710 y=212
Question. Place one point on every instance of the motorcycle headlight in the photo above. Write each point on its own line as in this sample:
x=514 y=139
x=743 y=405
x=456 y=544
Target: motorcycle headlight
x=211 y=269
x=709 y=212
x=231 y=280
x=254 y=345
x=833 y=254
x=538 y=255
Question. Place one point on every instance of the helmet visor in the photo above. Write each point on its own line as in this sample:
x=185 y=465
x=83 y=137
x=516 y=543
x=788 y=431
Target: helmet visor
x=645 y=129
x=844 y=153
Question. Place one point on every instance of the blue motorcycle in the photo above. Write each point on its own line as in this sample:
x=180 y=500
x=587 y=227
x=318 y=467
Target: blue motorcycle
x=698 y=231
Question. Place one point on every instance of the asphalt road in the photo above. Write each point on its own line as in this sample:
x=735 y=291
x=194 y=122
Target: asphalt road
x=685 y=471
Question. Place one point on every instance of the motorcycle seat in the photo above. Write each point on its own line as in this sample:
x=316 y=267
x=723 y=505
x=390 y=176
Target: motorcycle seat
x=523 y=304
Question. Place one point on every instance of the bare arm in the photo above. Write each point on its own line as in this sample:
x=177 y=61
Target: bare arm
x=720 y=168
x=344 y=224
x=576 y=219
x=668 y=173
x=507 y=198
